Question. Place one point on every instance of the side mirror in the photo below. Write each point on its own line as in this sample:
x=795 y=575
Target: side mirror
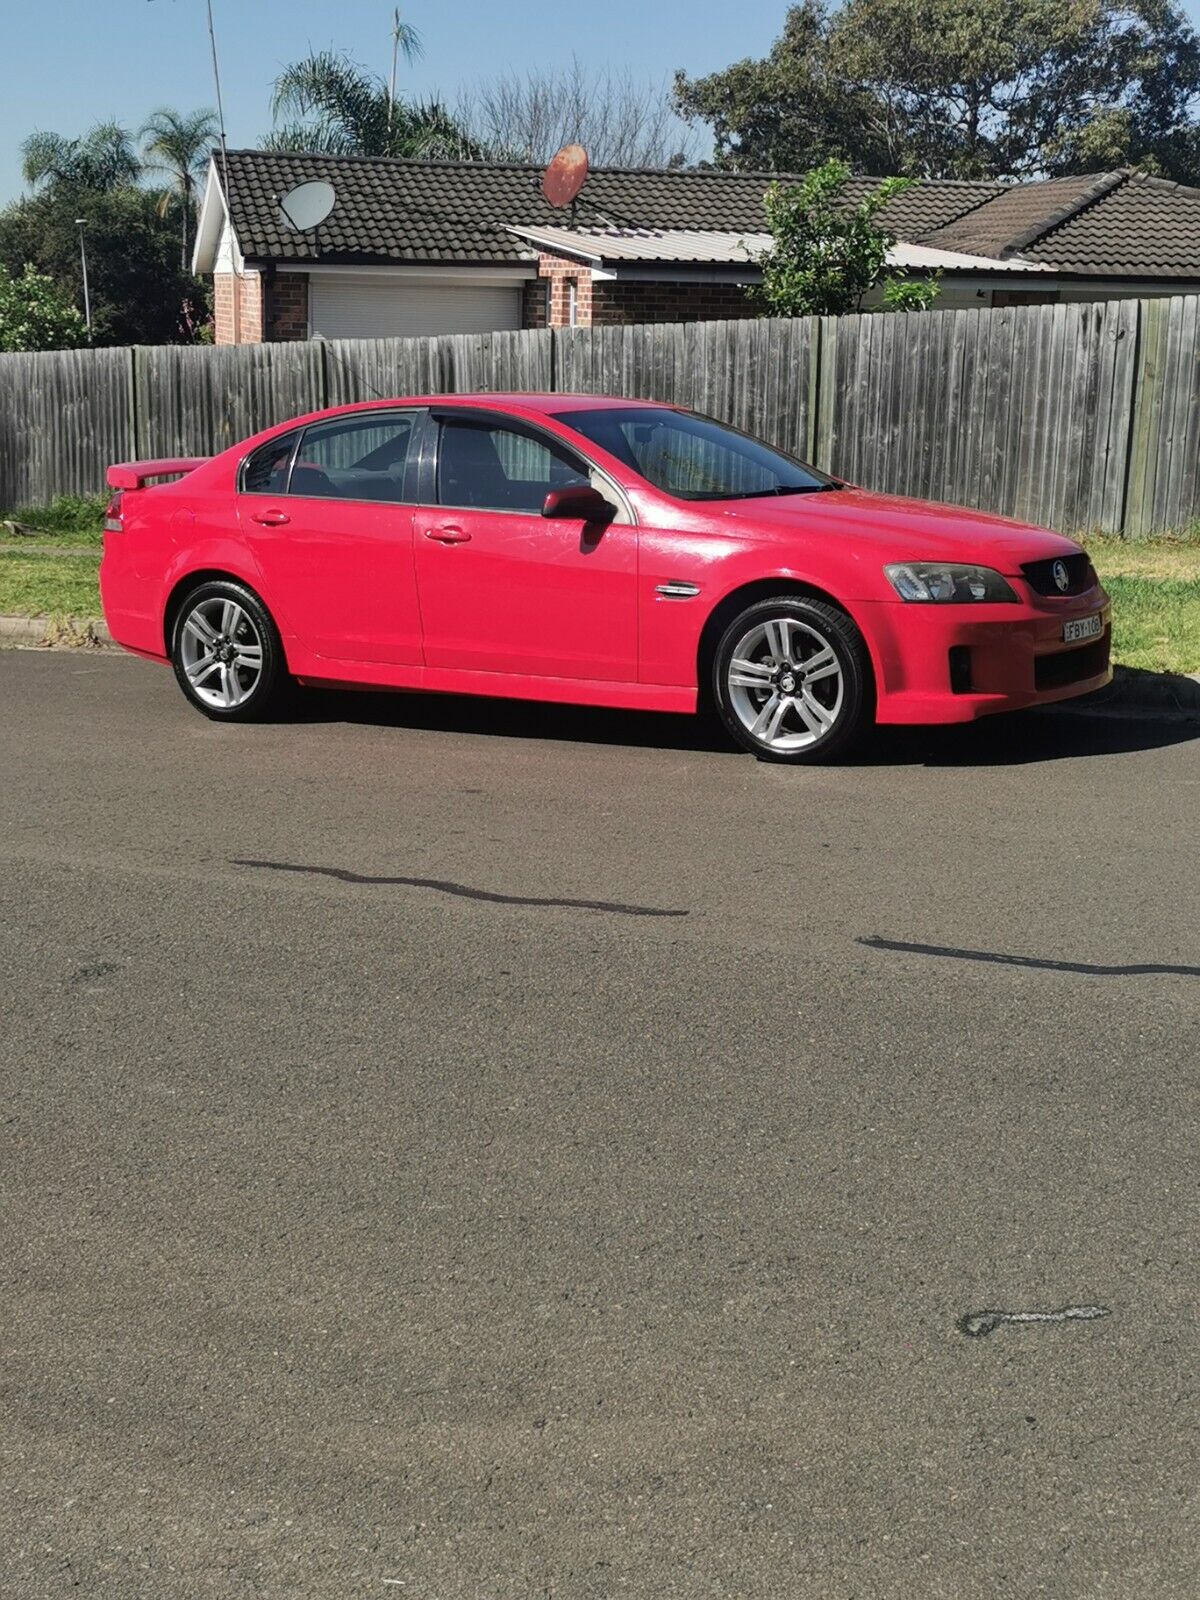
x=579 y=503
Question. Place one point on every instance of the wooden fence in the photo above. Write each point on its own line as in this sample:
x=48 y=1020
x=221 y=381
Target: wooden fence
x=1084 y=417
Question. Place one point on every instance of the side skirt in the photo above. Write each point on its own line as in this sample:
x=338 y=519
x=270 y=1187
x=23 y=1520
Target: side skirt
x=319 y=672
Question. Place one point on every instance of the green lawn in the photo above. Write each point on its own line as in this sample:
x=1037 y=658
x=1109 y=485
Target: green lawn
x=49 y=586
x=1155 y=589
x=1154 y=583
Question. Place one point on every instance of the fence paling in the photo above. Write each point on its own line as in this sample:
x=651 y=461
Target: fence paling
x=1083 y=416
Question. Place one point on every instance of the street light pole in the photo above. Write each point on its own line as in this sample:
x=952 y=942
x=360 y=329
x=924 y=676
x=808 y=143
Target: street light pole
x=87 y=299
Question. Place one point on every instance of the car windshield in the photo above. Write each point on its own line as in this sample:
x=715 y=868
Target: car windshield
x=692 y=457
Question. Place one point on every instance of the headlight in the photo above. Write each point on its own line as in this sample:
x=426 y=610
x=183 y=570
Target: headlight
x=930 y=583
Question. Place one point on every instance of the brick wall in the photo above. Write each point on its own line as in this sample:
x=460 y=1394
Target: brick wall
x=614 y=303
x=535 y=297
x=607 y=303
x=248 y=289
x=223 y=307
x=560 y=274
x=287 y=306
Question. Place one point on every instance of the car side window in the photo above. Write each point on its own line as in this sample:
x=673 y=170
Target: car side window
x=267 y=469
x=485 y=467
x=363 y=457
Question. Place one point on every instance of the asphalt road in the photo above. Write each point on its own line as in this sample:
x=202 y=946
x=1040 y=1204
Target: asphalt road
x=557 y=1193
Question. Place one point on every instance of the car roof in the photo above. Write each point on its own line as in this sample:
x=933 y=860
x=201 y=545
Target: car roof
x=531 y=404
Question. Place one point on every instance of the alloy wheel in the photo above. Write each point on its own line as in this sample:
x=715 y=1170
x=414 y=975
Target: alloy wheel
x=785 y=683
x=221 y=651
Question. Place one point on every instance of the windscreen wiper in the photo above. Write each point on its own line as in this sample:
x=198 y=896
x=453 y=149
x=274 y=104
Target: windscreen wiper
x=781 y=488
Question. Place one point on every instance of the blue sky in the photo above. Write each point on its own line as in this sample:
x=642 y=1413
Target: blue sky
x=69 y=63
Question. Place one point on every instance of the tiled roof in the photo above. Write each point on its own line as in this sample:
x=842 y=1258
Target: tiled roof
x=1110 y=224
x=1145 y=227
x=1113 y=223
x=1018 y=213
x=448 y=211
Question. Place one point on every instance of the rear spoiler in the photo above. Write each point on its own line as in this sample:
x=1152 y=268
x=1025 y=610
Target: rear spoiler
x=137 y=474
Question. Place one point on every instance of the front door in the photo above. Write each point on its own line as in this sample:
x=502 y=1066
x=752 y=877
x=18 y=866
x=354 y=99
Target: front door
x=504 y=589
x=333 y=536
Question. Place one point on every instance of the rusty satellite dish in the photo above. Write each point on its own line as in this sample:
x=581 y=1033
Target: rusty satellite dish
x=565 y=176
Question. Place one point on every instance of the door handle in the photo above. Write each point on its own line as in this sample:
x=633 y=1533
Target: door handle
x=450 y=534
x=271 y=519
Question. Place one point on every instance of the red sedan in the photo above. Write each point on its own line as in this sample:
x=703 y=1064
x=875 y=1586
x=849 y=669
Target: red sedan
x=602 y=552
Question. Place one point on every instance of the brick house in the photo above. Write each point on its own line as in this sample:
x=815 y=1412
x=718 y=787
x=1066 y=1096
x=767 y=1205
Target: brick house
x=421 y=247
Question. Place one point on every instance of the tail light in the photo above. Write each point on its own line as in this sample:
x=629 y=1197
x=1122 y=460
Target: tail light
x=113 y=522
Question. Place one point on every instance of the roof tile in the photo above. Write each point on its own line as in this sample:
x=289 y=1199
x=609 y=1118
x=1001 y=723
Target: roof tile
x=395 y=210
x=1115 y=223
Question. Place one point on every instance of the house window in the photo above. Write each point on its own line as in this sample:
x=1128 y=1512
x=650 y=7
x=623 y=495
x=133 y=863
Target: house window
x=572 y=307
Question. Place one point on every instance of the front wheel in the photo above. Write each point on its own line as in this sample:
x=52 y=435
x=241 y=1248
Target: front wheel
x=226 y=652
x=792 y=680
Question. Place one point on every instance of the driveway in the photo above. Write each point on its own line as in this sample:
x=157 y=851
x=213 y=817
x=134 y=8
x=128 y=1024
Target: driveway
x=458 y=1150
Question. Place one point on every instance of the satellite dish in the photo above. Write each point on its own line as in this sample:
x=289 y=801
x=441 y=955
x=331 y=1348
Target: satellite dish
x=306 y=206
x=565 y=176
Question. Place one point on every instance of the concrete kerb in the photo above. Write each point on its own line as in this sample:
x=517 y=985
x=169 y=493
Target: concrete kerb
x=55 y=633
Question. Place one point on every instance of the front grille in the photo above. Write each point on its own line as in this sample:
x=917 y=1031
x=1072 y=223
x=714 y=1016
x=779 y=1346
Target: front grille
x=1040 y=574
x=1072 y=666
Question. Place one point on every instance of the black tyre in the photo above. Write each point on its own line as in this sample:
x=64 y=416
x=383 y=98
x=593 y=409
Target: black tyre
x=227 y=654
x=792 y=680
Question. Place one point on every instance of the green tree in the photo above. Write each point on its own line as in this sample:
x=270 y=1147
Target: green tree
x=176 y=146
x=104 y=159
x=139 y=292
x=826 y=254
x=35 y=315
x=790 y=111
x=327 y=102
x=963 y=88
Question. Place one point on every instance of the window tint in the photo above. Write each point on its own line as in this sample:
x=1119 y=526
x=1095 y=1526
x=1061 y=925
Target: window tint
x=495 y=469
x=693 y=457
x=355 y=458
x=266 y=470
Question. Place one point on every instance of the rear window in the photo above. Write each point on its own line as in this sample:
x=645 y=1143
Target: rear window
x=367 y=456
x=267 y=469
x=363 y=457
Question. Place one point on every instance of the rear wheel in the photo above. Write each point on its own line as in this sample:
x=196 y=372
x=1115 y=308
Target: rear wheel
x=226 y=652
x=792 y=680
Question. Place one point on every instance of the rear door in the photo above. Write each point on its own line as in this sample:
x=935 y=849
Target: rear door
x=504 y=589
x=332 y=531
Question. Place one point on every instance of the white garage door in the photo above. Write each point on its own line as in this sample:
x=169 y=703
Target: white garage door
x=361 y=307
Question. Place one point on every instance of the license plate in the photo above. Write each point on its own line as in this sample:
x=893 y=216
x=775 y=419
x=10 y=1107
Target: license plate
x=1082 y=628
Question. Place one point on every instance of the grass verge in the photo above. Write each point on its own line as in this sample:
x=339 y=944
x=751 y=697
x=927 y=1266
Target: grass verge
x=1155 y=589
x=49 y=586
x=70 y=519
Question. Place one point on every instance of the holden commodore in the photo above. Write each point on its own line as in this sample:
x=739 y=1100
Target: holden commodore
x=595 y=551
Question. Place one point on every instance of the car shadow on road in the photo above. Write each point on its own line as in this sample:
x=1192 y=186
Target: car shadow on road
x=998 y=741
x=1018 y=738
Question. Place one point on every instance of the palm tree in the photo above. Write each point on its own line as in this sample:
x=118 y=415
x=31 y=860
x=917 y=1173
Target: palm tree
x=341 y=108
x=406 y=41
x=103 y=160
x=177 y=145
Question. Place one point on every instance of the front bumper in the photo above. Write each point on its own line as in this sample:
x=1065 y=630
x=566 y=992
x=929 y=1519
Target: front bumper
x=955 y=663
